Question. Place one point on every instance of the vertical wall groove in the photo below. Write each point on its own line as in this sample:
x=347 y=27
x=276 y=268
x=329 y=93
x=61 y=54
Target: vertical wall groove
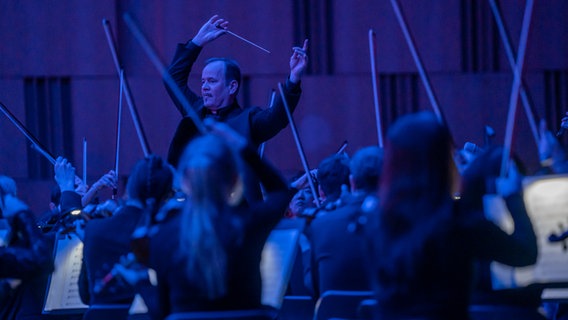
x=313 y=19
x=556 y=97
x=398 y=96
x=49 y=118
x=479 y=37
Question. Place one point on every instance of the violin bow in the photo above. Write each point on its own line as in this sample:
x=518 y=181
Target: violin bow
x=372 y=47
x=84 y=160
x=525 y=98
x=343 y=147
x=127 y=92
x=262 y=145
x=299 y=145
x=417 y=60
x=118 y=130
x=36 y=145
x=518 y=71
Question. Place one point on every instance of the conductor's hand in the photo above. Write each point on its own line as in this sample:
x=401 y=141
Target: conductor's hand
x=298 y=62
x=211 y=30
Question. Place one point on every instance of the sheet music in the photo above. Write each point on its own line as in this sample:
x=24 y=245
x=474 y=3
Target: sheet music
x=276 y=265
x=555 y=295
x=546 y=200
x=63 y=290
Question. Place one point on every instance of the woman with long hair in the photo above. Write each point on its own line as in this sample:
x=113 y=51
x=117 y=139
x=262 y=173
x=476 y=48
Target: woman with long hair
x=208 y=256
x=424 y=243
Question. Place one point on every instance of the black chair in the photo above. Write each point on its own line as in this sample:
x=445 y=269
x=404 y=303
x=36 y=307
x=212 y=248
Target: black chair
x=340 y=304
x=229 y=315
x=498 y=312
x=107 y=311
x=297 y=308
x=366 y=309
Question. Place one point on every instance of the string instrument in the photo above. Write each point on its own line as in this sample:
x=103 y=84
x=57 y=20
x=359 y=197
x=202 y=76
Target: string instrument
x=64 y=222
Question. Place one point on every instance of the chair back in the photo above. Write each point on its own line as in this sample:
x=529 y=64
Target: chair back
x=340 y=304
x=107 y=311
x=228 y=315
x=297 y=307
x=498 y=312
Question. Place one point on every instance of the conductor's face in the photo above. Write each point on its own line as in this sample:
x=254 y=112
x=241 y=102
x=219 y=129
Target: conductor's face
x=214 y=88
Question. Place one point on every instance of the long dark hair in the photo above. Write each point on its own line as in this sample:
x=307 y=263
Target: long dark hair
x=414 y=195
x=151 y=178
x=208 y=173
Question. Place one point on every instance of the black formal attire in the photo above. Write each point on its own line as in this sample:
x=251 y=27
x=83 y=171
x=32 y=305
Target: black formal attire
x=106 y=240
x=441 y=283
x=28 y=258
x=256 y=124
x=242 y=230
x=338 y=252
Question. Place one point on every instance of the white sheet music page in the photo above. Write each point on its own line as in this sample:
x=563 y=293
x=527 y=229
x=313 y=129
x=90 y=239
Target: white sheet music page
x=63 y=290
x=546 y=200
x=276 y=265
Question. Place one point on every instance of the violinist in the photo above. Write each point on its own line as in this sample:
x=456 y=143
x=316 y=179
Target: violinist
x=303 y=200
x=106 y=240
x=75 y=196
x=215 y=243
x=423 y=243
x=338 y=258
x=25 y=258
x=332 y=181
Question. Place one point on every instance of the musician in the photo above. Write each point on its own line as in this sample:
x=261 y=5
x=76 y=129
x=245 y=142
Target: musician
x=25 y=260
x=338 y=255
x=304 y=198
x=333 y=179
x=478 y=180
x=551 y=153
x=221 y=81
x=423 y=245
x=106 y=240
x=215 y=244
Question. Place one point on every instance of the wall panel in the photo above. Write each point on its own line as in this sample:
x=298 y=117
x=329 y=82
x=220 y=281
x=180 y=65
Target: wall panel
x=456 y=39
x=54 y=37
